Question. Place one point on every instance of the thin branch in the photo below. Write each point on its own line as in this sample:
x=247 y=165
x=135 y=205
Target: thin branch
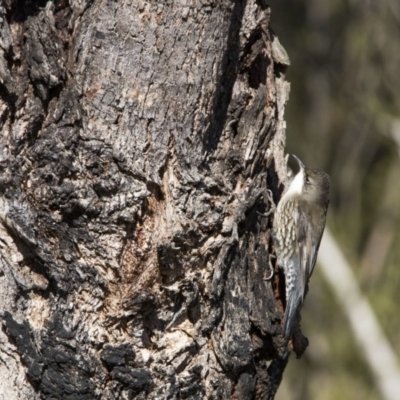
x=366 y=328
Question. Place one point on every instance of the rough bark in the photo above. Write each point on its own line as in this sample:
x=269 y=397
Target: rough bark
x=138 y=141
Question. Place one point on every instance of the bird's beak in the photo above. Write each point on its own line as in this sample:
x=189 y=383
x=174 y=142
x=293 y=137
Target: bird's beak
x=301 y=165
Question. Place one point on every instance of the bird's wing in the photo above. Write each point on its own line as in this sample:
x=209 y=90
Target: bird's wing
x=307 y=248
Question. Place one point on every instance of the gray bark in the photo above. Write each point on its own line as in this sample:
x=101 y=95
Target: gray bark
x=138 y=141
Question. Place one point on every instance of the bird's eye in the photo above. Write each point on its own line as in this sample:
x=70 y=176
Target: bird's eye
x=308 y=180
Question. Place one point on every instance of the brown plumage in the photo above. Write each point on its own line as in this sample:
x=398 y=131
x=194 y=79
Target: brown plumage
x=298 y=227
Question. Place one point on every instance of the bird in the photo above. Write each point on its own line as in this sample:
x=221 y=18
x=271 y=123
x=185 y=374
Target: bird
x=298 y=226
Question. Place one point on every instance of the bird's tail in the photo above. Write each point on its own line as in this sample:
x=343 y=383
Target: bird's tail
x=293 y=303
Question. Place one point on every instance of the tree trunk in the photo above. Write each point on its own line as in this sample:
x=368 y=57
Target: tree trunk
x=138 y=141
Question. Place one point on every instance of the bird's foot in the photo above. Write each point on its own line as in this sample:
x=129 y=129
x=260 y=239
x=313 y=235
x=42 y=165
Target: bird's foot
x=272 y=207
x=271 y=268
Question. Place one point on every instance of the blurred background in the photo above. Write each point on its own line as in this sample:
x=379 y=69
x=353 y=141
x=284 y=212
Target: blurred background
x=344 y=116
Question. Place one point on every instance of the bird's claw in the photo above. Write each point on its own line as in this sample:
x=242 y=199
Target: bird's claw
x=271 y=201
x=271 y=267
x=270 y=276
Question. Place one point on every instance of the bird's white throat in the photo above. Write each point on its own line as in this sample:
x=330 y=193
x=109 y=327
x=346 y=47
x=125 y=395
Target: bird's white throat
x=296 y=186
